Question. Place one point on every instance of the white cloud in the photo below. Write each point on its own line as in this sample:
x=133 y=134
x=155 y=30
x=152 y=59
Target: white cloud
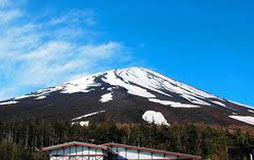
x=101 y=51
x=60 y=59
x=4 y=3
x=7 y=16
x=37 y=54
x=75 y=16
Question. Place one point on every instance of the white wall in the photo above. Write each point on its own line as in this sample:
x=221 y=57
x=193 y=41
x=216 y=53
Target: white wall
x=75 y=151
x=125 y=153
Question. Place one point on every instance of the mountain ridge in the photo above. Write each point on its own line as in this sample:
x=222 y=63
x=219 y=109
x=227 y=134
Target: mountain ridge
x=129 y=94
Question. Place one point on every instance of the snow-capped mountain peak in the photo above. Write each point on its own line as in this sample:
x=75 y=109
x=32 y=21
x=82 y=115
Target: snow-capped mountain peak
x=131 y=87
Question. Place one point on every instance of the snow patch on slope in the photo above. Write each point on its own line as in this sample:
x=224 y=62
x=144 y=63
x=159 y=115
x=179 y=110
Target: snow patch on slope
x=23 y=97
x=219 y=103
x=173 y=104
x=88 y=115
x=152 y=81
x=181 y=87
x=46 y=91
x=142 y=78
x=8 y=102
x=81 y=123
x=40 y=94
x=79 y=85
x=40 y=97
x=112 y=79
x=155 y=117
x=245 y=119
x=74 y=86
x=194 y=100
x=163 y=102
x=84 y=123
x=106 y=97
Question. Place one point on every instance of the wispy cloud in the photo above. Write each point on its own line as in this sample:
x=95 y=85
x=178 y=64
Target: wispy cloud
x=4 y=3
x=63 y=59
x=7 y=16
x=75 y=16
x=39 y=54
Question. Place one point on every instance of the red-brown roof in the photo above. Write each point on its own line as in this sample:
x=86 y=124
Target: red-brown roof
x=152 y=150
x=105 y=146
x=74 y=143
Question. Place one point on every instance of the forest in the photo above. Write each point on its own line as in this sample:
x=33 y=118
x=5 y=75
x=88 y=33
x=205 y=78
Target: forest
x=24 y=140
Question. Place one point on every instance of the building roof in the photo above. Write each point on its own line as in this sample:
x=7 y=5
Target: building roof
x=106 y=145
x=152 y=150
x=74 y=143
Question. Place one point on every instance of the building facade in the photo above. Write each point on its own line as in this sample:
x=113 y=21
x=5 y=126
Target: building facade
x=76 y=151
x=111 y=151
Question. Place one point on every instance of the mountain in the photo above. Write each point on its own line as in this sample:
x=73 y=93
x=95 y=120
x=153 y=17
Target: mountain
x=132 y=95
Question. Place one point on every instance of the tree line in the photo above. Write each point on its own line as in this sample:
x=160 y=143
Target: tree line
x=23 y=140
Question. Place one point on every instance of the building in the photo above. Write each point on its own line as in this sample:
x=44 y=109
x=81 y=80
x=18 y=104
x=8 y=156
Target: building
x=77 y=151
x=122 y=151
x=110 y=151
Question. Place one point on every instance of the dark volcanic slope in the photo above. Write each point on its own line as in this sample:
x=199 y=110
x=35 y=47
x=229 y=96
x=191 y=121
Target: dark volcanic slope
x=127 y=95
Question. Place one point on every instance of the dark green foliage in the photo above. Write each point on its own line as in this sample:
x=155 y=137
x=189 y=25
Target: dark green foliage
x=10 y=150
x=23 y=140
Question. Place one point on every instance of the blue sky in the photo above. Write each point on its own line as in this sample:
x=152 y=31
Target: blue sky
x=206 y=44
